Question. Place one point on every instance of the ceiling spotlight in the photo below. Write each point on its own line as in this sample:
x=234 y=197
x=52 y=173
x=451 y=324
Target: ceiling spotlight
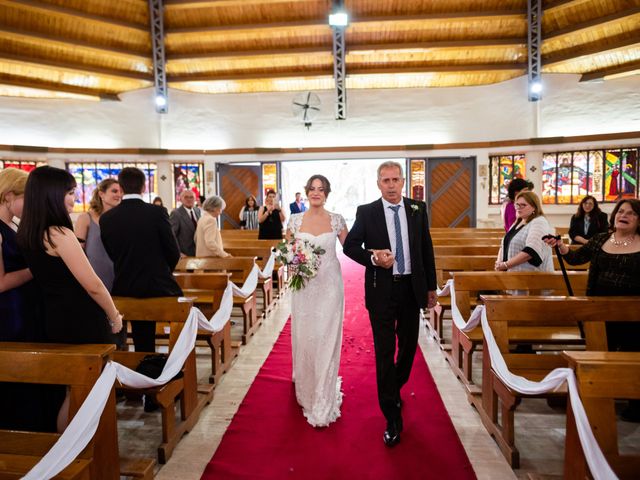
x=338 y=19
x=536 y=87
x=161 y=101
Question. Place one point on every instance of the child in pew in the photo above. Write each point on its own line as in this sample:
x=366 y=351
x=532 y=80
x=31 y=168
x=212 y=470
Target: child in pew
x=77 y=305
x=614 y=270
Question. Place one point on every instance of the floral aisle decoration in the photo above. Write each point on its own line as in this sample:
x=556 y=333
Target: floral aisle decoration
x=302 y=259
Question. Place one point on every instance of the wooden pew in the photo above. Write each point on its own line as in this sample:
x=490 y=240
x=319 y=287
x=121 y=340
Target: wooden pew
x=469 y=284
x=211 y=282
x=239 y=268
x=78 y=367
x=193 y=397
x=465 y=241
x=602 y=377
x=207 y=290
x=262 y=255
x=465 y=250
x=506 y=312
x=447 y=265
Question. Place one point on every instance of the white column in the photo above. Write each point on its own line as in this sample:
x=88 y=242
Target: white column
x=56 y=162
x=534 y=170
x=210 y=185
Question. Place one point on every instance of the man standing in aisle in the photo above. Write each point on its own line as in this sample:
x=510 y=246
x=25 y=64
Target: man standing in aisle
x=184 y=221
x=400 y=279
x=298 y=206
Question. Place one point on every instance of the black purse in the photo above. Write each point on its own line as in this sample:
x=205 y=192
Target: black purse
x=152 y=366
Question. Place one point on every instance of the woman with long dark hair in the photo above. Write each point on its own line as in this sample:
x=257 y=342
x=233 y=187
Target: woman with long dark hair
x=78 y=307
x=249 y=214
x=587 y=221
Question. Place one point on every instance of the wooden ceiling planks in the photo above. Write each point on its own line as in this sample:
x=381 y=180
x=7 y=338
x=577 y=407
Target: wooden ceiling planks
x=103 y=47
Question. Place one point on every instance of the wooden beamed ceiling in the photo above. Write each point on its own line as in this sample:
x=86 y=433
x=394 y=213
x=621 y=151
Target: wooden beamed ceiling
x=101 y=48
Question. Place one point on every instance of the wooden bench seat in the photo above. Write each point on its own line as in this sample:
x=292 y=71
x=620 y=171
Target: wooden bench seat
x=78 y=367
x=506 y=312
x=193 y=397
x=602 y=377
x=469 y=284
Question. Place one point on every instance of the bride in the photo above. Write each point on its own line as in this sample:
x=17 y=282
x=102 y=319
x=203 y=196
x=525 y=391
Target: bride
x=317 y=310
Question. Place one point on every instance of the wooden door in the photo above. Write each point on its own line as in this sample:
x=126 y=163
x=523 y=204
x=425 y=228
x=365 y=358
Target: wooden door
x=236 y=183
x=451 y=191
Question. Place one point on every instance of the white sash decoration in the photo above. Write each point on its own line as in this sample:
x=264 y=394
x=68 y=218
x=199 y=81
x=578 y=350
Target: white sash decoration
x=249 y=285
x=596 y=460
x=81 y=429
x=462 y=324
x=79 y=432
x=268 y=268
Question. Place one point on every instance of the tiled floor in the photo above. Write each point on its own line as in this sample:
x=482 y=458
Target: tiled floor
x=541 y=448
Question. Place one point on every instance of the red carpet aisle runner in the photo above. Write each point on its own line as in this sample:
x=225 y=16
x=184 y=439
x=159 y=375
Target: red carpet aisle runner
x=270 y=439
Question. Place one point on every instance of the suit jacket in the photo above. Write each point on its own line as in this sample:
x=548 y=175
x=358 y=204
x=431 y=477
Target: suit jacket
x=599 y=224
x=370 y=229
x=184 y=230
x=208 y=238
x=293 y=207
x=138 y=238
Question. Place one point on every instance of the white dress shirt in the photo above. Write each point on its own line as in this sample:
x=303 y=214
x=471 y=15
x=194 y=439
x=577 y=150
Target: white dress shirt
x=391 y=229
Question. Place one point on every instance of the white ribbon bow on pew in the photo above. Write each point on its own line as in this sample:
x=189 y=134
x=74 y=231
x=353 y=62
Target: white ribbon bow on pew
x=81 y=429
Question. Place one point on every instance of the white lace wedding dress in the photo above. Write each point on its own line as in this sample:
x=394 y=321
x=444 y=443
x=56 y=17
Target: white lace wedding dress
x=317 y=311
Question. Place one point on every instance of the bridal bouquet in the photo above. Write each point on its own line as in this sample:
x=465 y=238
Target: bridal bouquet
x=302 y=258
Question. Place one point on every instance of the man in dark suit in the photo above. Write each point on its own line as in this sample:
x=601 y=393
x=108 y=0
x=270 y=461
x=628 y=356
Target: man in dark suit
x=400 y=279
x=138 y=238
x=298 y=206
x=184 y=221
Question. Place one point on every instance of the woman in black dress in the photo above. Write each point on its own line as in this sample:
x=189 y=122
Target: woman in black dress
x=270 y=218
x=78 y=307
x=614 y=271
x=587 y=221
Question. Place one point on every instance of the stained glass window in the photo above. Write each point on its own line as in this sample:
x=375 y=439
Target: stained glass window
x=188 y=176
x=608 y=175
x=89 y=174
x=416 y=187
x=504 y=168
x=27 y=166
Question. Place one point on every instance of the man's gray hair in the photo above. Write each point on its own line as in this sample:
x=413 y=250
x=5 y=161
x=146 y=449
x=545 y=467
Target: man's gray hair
x=390 y=164
x=212 y=203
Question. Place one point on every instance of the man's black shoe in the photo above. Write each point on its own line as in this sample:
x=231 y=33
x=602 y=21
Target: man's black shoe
x=391 y=436
x=150 y=405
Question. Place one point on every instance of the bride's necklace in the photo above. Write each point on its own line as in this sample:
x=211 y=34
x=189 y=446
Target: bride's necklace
x=624 y=242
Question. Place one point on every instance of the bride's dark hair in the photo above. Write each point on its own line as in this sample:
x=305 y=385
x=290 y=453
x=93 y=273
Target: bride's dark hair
x=325 y=184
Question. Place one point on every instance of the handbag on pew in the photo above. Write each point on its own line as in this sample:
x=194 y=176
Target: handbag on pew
x=152 y=366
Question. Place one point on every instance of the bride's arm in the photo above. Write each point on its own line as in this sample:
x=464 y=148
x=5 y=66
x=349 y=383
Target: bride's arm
x=342 y=236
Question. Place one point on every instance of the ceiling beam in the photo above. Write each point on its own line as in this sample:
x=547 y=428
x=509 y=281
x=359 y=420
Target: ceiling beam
x=82 y=69
x=328 y=72
x=37 y=6
x=59 y=41
x=55 y=87
x=589 y=50
x=318 y=22
x=631 y=68
x=596 y=22
x=189 y=4
x=459 y=44
x=552 y=5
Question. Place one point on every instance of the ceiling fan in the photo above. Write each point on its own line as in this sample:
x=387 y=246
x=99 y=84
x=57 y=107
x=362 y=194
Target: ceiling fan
x=305 y=107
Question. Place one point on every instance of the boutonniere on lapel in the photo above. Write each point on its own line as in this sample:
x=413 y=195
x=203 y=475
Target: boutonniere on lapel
x=414 y=209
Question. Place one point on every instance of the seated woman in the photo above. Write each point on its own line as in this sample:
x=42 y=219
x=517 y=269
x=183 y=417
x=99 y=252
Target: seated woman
x=614 y=271
x=522 y=247
x=208 y=238
x=249 y=214
x=77 y=305
x=587 y=221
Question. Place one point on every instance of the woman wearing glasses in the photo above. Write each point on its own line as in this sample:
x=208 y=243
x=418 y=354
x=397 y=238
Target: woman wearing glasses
x=522 y=247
